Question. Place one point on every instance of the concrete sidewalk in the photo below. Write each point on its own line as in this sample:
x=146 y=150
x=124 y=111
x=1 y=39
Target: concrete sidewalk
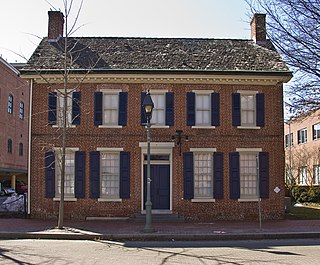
x=121 y=230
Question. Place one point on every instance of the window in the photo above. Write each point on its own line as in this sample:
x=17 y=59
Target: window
x=248 y=175
x=9 y=146
x=69 y=172
x=203 y=175
x=316 y=175
x=20 y=149
x=303 y=176
x=203 y=109
x=10 y=104
x=302 y=136
x=60 y=107
x=21 y=113
x=110 y=108
x=159 y=110
x=316 y=131
x=289 y=139
x=248 y=109
x=110 y=175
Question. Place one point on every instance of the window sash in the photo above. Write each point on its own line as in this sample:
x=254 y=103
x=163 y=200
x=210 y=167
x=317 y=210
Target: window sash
x=203 y=175
x=289 y=140
x=302 y=136
x=60 y=107
x=69 y=173
x=159 y=110
x=10 y=104
x=316 y=131
x=110 y=175
x=203 y=109
x=248 y=175
x=303 y=176
x=21 y=115
x=110 y=108
x=248 y=110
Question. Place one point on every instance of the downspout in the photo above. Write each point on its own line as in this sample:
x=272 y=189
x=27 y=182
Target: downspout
x=29 y=146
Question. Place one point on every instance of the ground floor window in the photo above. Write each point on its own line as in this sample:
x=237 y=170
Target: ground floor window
x=203 y=175
x=316 y=175
x=110 y=174
x=248 y=175
x=303 y=176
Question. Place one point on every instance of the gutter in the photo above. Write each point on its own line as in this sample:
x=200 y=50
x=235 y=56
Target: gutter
x=29 y=147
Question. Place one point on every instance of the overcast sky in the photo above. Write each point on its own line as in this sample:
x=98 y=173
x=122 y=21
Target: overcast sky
x=25 y=22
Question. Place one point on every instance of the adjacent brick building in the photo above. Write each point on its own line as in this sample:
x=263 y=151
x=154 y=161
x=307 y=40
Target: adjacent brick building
x=225 y=95
x=14 y=101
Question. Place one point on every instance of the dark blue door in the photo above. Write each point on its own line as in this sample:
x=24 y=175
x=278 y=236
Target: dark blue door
x=160 y=186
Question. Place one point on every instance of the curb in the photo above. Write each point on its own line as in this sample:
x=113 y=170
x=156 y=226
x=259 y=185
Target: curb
x=160 y=237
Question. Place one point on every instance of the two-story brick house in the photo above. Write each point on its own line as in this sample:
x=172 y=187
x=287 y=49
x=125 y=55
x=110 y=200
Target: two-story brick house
x=225 y=95
x=14 y=101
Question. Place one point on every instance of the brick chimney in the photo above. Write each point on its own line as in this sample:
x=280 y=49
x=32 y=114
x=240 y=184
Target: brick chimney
x=55 y=26
x=258 y=28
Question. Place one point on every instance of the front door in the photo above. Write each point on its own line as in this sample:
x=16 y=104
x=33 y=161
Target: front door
x=160 y=186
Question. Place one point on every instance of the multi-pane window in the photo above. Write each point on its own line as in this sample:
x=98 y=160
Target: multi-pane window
x=20 y=149
x=203 y=175
x=248 y=175
x=159 y=110
x=289 y=139
x=302 y=136
x=60 y=108
x=9 y=146
x=69 y=173
x=110 y=108
x=203 y=109
x=248 y=110
x=110 y=174
x=10 y=104
x=316 y=175
x=316 y=131
x=303 y=176
x=21 y=112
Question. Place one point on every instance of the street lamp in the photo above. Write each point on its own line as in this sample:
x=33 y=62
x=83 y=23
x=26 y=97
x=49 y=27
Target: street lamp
x=148 y=107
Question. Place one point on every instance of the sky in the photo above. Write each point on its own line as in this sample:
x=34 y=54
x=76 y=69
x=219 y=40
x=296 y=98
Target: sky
x=25 y=22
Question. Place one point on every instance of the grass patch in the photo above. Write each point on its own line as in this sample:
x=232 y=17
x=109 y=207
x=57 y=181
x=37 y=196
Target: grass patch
x=307 y=211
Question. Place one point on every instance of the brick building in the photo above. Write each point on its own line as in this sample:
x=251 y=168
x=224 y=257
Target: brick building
x=14 y=101
x=224 y=95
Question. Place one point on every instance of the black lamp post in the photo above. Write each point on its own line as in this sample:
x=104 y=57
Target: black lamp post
x=148 y=107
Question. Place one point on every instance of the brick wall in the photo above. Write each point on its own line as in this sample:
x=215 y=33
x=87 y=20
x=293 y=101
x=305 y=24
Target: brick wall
x=224 y=138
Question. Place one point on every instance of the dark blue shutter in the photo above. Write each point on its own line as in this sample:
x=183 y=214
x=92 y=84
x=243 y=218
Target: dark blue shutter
x=215 y=109
x=49 y=163
x=94 y=174
x=260 y=110
x=123 y=106
x=80 y=173
x=188 y=175
x=264 y=174
x=124 y=175
x=191 y=109
x=98 y=108
x=143 y=116
x=236 y=109
x=170 y=108
x=234 y=167
x=52 y=108
x=76 y=98
x=218 y=175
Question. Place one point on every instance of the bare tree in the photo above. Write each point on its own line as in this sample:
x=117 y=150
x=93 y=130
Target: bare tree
x=294 y=29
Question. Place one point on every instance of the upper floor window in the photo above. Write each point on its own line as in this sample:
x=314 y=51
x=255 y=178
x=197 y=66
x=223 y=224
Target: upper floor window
x=302 y=136
x=10 y=146
x=21 y=113
x=289 y=139
x=248 y=109
x=20 y=149
x=10 y=104
x=159 y=110
x=316 y=131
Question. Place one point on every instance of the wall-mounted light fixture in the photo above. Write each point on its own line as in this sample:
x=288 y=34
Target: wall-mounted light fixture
x=179 y=137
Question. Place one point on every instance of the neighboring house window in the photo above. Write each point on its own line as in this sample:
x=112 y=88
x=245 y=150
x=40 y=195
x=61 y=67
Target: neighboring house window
x=110 y=108
x=289 y=139
x=248 y=109
x=56 y=107
x=20 y=149
x=290 y=176
x=9 y=146
x=303 y=175
x=316 y=131
x=203 y=174
x=316 y=175
x=10 y=104
x=21 y=113
x=110 y=175
x=203 y=109
x=302 y=136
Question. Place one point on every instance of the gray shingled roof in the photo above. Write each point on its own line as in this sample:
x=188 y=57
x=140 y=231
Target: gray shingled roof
x=113 y=53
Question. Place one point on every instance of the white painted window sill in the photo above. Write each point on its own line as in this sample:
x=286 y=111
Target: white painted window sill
x=66 y=199
x=109 y=200
x=110 y=126
x=203 y=127
x=60 y=126
x=248 y=200
x=203 y=200
x=160 y=126
x=249 y=127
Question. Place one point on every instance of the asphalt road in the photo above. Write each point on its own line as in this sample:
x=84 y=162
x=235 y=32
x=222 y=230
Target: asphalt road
x=163 y=253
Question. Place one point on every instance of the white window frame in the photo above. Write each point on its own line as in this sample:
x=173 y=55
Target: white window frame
x=21 y=110
x=248 y=125
x=289 y=139
x=156 y=110
x=303 y=176
x=302 y=136
x=316 y=175
x=316 y=132
x=58 y=155
x=200 y=109
x=59 y=109
x=10 y=104
x=105 y=93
